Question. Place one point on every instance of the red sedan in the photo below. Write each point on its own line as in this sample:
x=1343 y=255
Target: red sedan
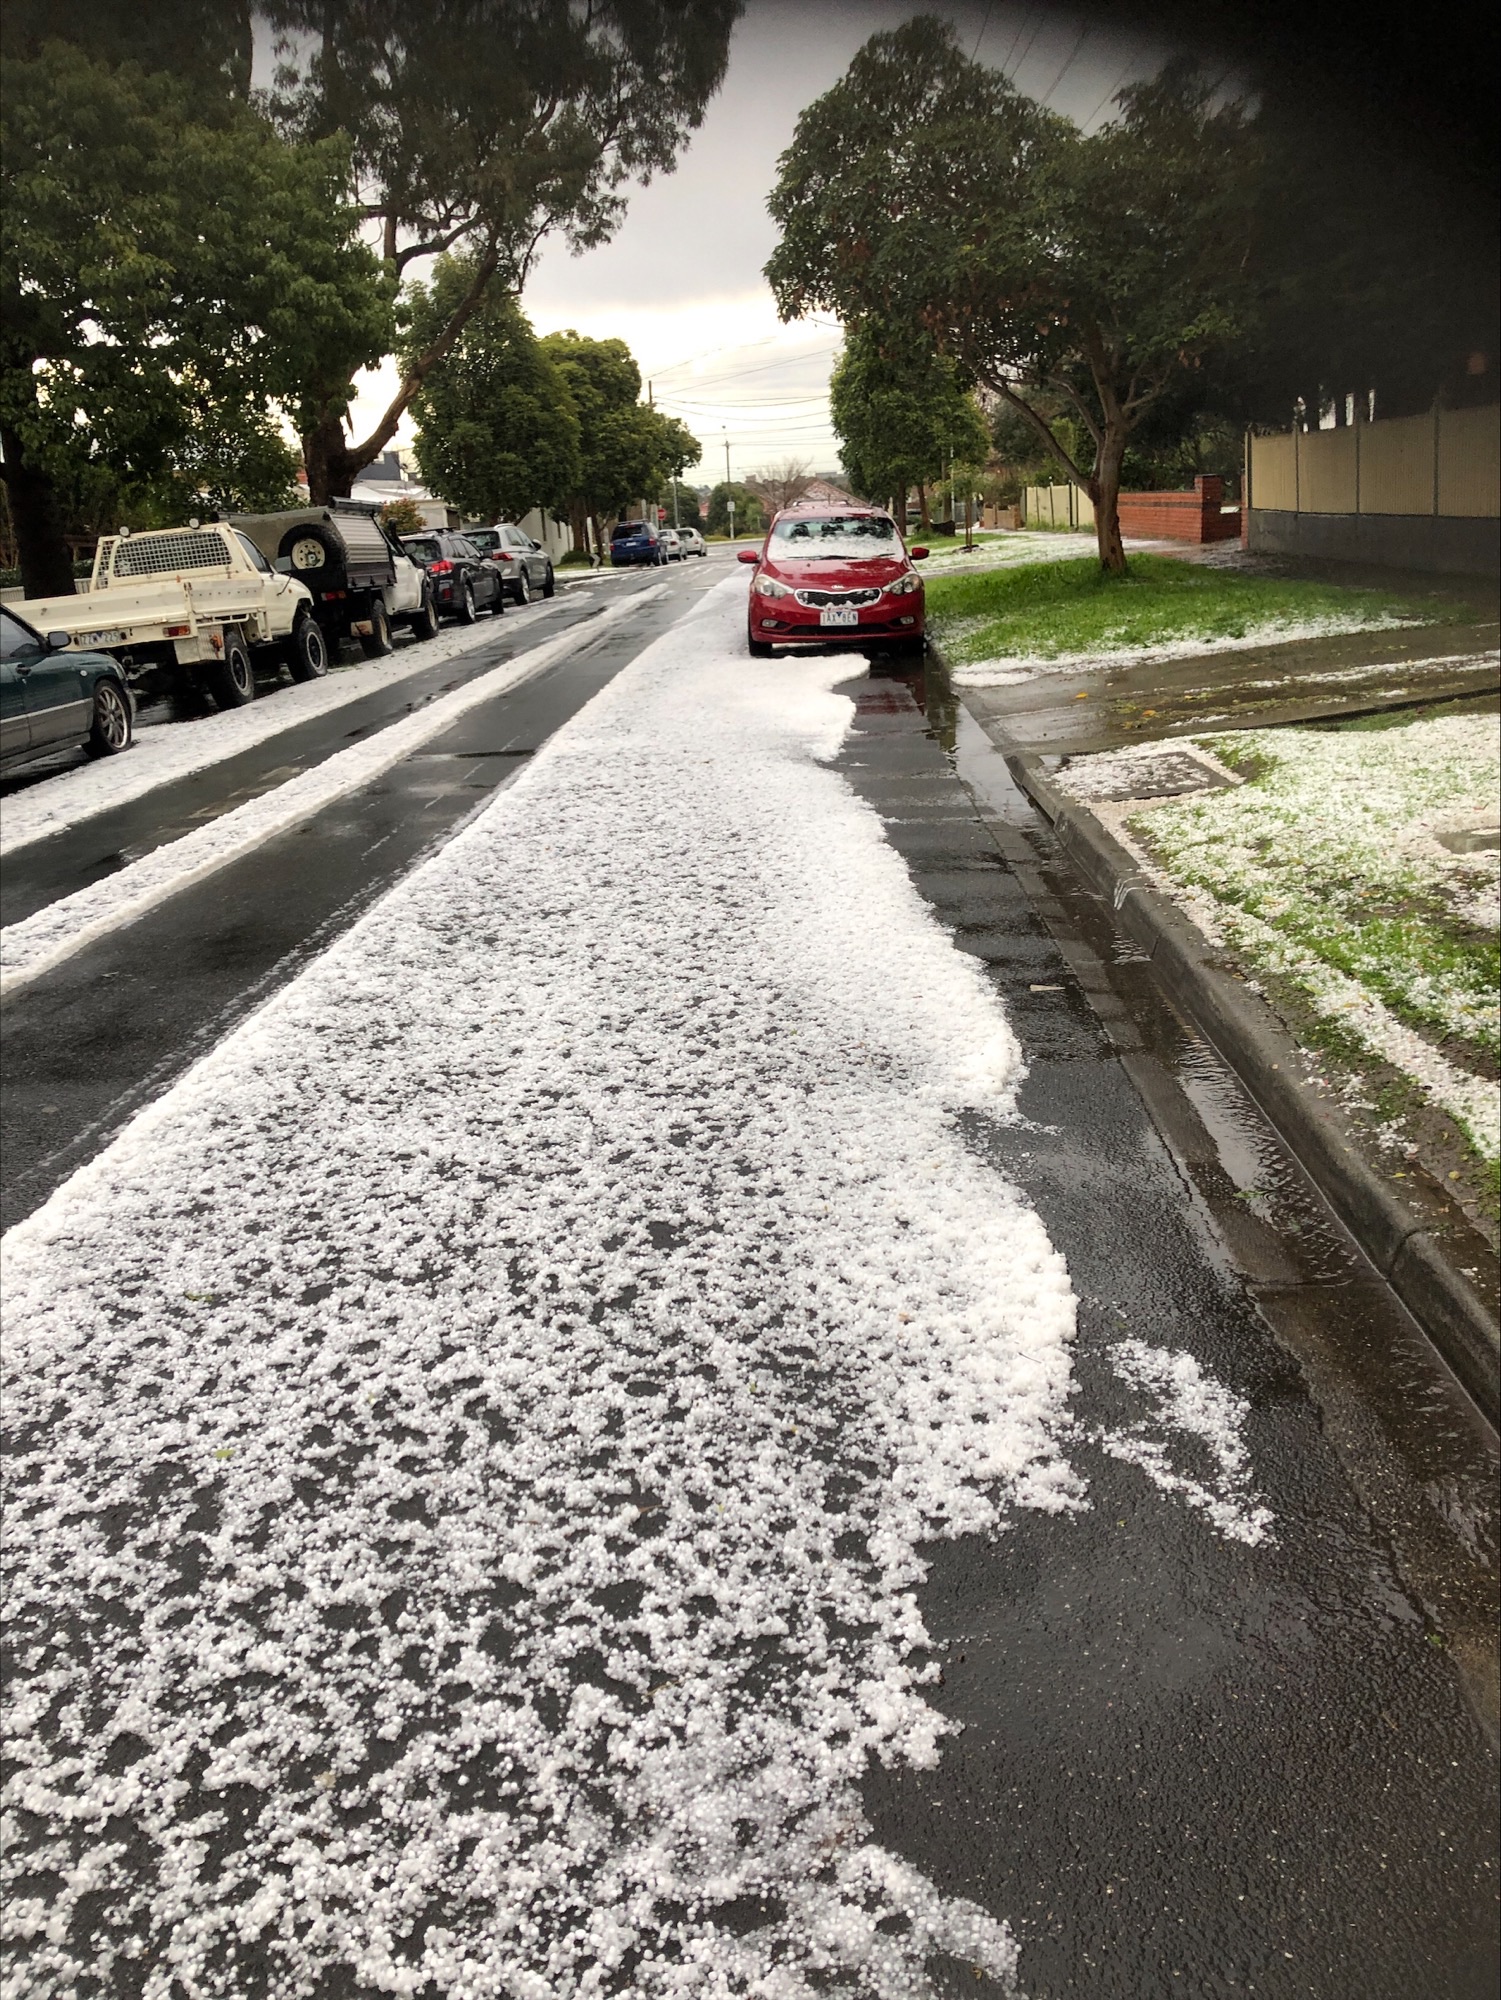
x=839 y=577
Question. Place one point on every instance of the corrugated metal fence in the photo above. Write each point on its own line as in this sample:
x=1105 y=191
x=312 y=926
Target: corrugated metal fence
x=1446 y=463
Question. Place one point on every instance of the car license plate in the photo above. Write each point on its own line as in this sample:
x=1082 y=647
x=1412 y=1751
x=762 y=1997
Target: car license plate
x=839 y=614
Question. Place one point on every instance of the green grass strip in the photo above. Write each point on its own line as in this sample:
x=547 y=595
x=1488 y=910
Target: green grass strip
x=1047 y=609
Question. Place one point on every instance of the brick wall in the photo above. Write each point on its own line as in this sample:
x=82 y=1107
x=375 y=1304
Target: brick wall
x=1198 y=516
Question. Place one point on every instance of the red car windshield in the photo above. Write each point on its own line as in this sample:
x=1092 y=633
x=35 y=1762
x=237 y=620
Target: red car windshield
x=845 y=537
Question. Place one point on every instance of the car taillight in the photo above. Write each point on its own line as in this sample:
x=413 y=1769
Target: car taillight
x=440 y=568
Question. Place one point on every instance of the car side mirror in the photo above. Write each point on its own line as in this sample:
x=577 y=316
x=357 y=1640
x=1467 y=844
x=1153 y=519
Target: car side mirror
x=917 y=554
x=59 y=642
x=749 y=555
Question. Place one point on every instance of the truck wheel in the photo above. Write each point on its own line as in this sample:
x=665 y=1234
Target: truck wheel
x=110 y=730
x=232 y=679
x=379 y=642
x=425 y=622
x=550 y=585
x=307 y=650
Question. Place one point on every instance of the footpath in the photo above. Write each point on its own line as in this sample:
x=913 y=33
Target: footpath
x=1438 y=1258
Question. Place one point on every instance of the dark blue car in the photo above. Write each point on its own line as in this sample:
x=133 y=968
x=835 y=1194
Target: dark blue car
x=635 y=542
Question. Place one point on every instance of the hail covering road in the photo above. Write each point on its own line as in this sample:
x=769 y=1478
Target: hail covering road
x=477 y=1432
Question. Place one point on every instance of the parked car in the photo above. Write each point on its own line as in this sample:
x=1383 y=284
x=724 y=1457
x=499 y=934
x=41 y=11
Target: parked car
x=196 y=605
x=635 y=542
x=672 y=543
x=693 y=542
x=52 y=698
x=363 y=582
x=835 y=576
x=524 y=565
x=464 y=581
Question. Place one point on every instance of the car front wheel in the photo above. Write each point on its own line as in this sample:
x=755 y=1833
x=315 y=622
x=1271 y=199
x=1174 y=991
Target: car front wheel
x=377 y=642
x=232 y=678
x=425 y=619
x=759 y=650
x=110 y=728
x=550 y=583
x=307 y=651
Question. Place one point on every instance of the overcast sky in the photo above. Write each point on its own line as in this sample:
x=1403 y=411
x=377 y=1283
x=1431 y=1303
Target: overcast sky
x=681 y=281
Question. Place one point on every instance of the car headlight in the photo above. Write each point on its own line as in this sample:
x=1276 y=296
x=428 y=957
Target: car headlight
x=904 y=585
x=768 y=586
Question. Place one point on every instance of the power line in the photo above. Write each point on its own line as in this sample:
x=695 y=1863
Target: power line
x=739 y=374
x=1109 y=94
x=983 y=26
x=787 y=403
x=724 y=348
x=1027 y=50
x=1083 y=37
x=1006 y=64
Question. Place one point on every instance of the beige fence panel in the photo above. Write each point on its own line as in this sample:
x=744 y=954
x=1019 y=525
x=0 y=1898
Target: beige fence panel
x=1469 y=462
x=1445 y=462
x=1058 y=507
x=1396 y=466
x=1327 y=472
x=1273 y=481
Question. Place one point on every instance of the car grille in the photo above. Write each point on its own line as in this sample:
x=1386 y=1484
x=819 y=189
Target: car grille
x=817 y=599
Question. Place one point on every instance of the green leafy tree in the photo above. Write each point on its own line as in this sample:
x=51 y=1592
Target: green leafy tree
x=209 y=44
x=902 y=414
x=497 y=430
x=750 y=513
x=169 y=269
x=924 y=190
x=484 y=126
x=687 y=502
x=626 y=448
x=402 y=517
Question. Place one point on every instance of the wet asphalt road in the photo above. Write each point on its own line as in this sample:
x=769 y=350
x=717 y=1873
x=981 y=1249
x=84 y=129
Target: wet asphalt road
x=106 y=1032
x=1186 y=1766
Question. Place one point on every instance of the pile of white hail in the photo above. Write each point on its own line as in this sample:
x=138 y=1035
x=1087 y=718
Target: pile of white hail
x=474 y=1435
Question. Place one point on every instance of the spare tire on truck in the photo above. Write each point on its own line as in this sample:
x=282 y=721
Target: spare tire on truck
x=341 y=554
x=314 y=554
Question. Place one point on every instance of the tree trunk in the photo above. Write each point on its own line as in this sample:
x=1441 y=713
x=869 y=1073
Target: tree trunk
x=330 y=465
x=578 y=526
x=37 y=518
x=922 y=508
x=1105 y=493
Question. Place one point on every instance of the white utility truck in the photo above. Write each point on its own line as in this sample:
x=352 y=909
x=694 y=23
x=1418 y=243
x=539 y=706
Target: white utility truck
x=363 y=581
x=195 y=604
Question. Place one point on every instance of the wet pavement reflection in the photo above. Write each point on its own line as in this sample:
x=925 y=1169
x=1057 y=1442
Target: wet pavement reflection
x=1134 y=1691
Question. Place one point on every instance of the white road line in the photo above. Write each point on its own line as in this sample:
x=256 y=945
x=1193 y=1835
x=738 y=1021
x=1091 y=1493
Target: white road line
x=42 y=941
x=165 y=752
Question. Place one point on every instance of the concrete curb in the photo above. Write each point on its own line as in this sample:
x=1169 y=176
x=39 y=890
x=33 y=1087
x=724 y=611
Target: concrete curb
x=1420 y=1241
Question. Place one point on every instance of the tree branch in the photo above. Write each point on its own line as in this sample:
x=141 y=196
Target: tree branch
x=1062 y=383
x=432 y=246
x=419 y=369
x=1040 y=425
